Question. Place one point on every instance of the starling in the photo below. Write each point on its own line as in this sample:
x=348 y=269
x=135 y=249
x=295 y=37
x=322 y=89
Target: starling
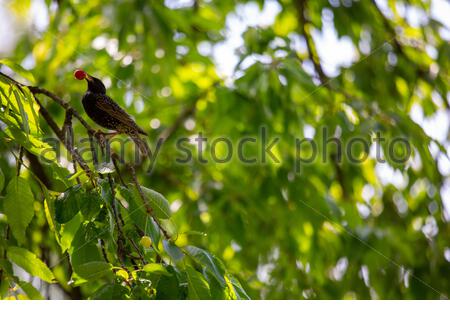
x=107 y=113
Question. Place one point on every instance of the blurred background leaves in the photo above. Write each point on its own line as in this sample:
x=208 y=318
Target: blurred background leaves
x=338 y=229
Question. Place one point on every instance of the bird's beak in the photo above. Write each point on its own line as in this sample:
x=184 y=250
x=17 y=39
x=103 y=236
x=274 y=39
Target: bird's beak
x=88 y=77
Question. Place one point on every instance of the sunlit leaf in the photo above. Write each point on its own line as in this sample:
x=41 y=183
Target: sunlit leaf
x=207 y=260
x=18 y=206
x=198 y=287
x=30 y=263
x=30 y=291
x=155 y=268
x=18 y=69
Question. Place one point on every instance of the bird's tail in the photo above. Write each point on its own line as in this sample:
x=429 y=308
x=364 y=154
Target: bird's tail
x=141 y=144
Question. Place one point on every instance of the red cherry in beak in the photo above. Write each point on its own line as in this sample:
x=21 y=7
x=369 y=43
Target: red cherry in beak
x=80 y=74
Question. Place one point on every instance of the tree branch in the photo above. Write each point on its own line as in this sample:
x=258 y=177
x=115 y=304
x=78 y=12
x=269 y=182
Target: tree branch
x=62 y=103
x=59 y=133
x=148 y=208
x=52 y=124
x=304 y=25
x=65 y=135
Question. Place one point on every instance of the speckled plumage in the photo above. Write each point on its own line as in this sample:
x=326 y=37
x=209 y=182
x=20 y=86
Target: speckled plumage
x=107 y=113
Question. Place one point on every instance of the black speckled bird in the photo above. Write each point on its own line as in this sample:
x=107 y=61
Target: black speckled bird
x=107 y=113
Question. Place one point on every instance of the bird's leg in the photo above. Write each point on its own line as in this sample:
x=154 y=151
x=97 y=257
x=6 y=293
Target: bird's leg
x=100 y=136
x=103 y=136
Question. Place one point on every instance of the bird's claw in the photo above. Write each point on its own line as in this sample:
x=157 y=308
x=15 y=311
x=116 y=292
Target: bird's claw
x=100 y=136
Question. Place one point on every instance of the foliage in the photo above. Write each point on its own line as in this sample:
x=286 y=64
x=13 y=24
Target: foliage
x=336 y=229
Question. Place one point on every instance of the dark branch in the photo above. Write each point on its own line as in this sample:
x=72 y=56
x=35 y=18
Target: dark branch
x=66 y=136
x=304 y=25
x=59 y=133
x=62 y=103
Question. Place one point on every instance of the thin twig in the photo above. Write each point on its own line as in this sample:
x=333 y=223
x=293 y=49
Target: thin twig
x=121 y=236
x=102 y=245
x=116 y=166
x=52 y=124
x=304 y=25
x=62 y=103
x=66 y=136
x=68 y=133
x=119 y=222
x=19 y=162
x=93 y=149
x=75 y=155
x=146 y=204
x=138 y=251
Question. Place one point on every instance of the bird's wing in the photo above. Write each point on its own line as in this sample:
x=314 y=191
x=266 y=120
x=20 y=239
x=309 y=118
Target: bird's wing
x=108 y=105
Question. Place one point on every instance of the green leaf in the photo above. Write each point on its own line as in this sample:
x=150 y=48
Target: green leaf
x=18 y=206
x=156 y=268
x=90 y=203
x=139 y=216
x=207 y=260
x=169 y=287
x=22 y=110
x=25 y=118
x=86 y=259
x=299 y=75
x=110 y=292
x=106 y=190
x=4 y=288
x=29 y=142
x=2 y=180
x=30 y=263
x=218 y=292
x=49 y=210
x=30 y=291
x=93 y=269
x=237 y=287
x=18 y=69
x=198 y=288
x=152 y=229
x=59 y=174
x=67 y=205
x=68 y=232
x=158 y=203
x=6 y=267
x=173 y=251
